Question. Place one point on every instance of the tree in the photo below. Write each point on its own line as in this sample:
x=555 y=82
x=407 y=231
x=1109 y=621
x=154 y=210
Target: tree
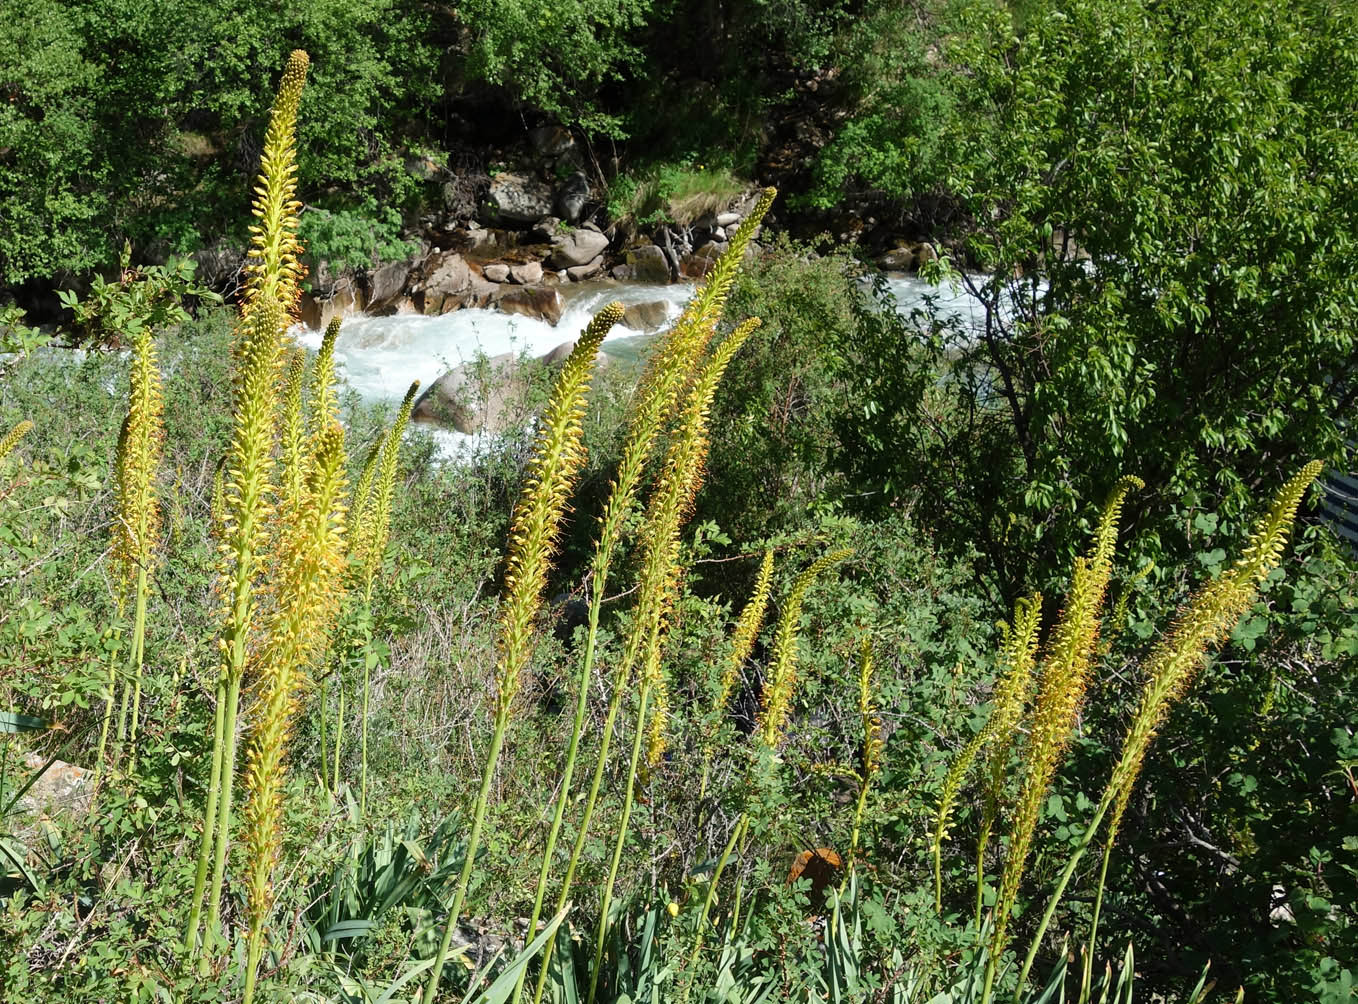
x=1162 y=200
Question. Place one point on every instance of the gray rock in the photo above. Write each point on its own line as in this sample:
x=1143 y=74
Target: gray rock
x=586 y=271
x=62 y=788
x=499 y=272
x=621 y=272
x=445 y=272
x=649 y=264
x=898 y=260
x=470 y=397
x=571 y=196
x=727 y=219
x=538 y=302
x=579 y=247
x=648 y=316
x=385 y=286
x=558 y=355
x=517 y=199
x=712 y=249
x=527 y=274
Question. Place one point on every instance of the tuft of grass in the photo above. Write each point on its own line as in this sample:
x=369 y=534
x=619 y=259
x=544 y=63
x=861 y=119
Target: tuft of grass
x=678 y=193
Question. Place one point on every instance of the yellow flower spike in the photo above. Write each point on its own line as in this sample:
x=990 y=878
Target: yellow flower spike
x=873 y=743
x=11 y=438
x=557 y=459
x=140 y=445
x=1206 y=621
x=273 y=265
x=311 y=564
x=873 y=746
x=273 y=272
x=362 y=495
x=781 y=684
x=1016 y=658
x=746 y=632
x=1061 y=691
x=376 y=486
x=660 y=707
x=324 y=399
x=680 y=477
x=669 y=369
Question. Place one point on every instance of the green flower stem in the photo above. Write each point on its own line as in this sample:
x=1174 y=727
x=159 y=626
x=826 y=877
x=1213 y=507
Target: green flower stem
x=363 y=724
x=138 y=656
x=619 y=683
x=1085 y=840
x=572 y=750
x=473 y=844
x=1098 y=906
x=619 y=843
x=339 y=733
x=226 y=777
x=209 y=818
x=736 y=834
x=325 y=758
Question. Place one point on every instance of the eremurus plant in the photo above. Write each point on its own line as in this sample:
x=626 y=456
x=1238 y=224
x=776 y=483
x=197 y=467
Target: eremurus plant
x=1060 y=696
x=661 y=569
x=136 y=524
x=534 y=533
x=248 y=486
x=780 y=687
x=653 y=405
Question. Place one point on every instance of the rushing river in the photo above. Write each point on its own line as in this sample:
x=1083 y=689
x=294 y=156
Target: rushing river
x=380 y=356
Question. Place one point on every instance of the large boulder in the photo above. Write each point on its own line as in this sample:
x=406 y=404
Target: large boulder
x=316 y=312
x=443 y=283
x=649 y=264
x=648 y=316
x=517 y=199
x=496 y=272
x=537 y=302
x=470 y=397
x=571 y=197
x=578 y=247
x=444 y=272
x=385 y=286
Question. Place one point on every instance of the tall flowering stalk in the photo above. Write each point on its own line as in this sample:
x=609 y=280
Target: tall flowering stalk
x=779 y=689
x=1019 y=653
x=1016 y=658
x=533 y=538
x=669 y=508
x=1061 y=691
x=374 y=529
x=309 y=587
x=136 y=526
x=743 y=637
x=873 y=747
x=273 y=272
x=653 y=404
x=1205 y=622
